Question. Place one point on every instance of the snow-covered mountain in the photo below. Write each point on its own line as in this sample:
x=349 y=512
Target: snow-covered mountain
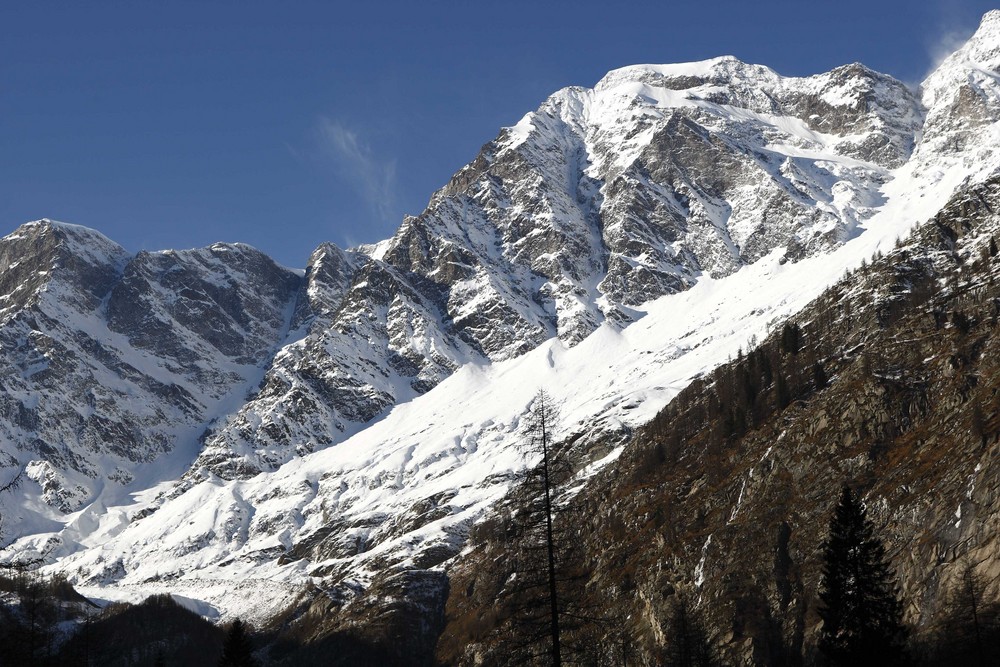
x=598 y=202
x=114 y=362
x=188 y=418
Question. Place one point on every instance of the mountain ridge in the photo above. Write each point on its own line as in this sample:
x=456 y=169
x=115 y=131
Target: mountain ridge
x=360 y=416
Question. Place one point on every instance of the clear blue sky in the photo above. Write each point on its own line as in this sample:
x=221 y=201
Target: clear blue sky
x=284 y=124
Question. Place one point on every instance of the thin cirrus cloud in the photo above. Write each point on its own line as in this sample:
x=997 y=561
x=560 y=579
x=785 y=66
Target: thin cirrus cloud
x=945 y=44
x=372 y=178
x=955 y=27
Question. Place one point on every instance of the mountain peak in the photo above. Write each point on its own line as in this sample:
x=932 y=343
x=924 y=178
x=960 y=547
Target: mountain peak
x=81 y=246
x=685 y=75
x=76 y=231
x=991 y=18
x=974 y=64
x=366 y=389
x=984 y=46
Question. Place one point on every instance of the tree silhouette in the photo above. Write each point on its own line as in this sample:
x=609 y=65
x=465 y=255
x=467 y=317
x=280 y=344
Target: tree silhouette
x=549 y=610
x=541 y=420
x=687 y=638
x=10 y=485
x=968 y=630
x=237 y=650
x=860 y=607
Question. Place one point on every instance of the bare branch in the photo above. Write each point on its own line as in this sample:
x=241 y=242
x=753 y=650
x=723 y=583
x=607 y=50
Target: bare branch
x=14 y=482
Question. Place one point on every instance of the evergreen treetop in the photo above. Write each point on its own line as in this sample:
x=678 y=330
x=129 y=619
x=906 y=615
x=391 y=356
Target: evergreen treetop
x=860 y=608
x=237 y=651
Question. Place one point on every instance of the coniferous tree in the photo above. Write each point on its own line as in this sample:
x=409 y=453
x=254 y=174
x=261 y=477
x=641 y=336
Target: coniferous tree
x=687 y=640
x=550 y=614
x=860 y=608
x=541 y=420
x=237 y=650
x=968 y=632
x=791 y=338
x=820 y=379
x=783 y=395
x=10 y=485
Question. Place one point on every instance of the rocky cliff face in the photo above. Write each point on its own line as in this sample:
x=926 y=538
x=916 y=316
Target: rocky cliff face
x=112 y=359
x=599 y=201
x=208 y=414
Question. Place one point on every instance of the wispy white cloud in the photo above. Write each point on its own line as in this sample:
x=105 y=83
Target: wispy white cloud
x=372 y=178
x=946 y=44
x=955 y=26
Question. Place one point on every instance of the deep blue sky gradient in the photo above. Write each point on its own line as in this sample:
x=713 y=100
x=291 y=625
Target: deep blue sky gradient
x=177 y=124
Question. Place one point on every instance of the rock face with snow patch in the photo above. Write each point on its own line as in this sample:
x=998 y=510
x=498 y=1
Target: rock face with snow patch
x=113 y=361
x=905 y=413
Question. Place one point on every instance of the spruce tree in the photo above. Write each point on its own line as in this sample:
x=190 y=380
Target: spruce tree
x=687 y=640
x=237 y=650
x=860 y=608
